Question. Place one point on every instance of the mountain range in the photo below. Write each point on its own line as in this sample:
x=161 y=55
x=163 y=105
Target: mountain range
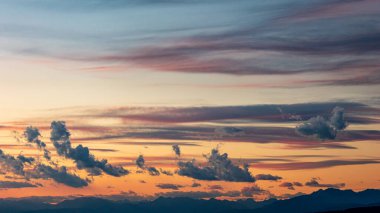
x=328 y=200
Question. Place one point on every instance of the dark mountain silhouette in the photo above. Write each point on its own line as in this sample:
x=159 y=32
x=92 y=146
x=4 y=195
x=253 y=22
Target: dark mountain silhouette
x=368 y=209
x=323 y=200
x=319 y=201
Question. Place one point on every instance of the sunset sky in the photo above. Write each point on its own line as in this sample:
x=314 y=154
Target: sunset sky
x=288 y=87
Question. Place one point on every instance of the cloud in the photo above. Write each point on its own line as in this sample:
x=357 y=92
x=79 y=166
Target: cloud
x=337 y=119
x=59 y=175
x=219 y=167
x=24 y=159
x=322 y=128
x=15 y=185
x=176 y=150
x=291 y=185
x=266 y=113
x=166 y=172
x=153 y=171
x=195 y=185
x=32 y=135
x=313 y=165
x=140 y=163
x=267 y=177
x=314 y=183
x=16 y=166
x=282 y=39
x=169 y=186
x=254 y=190
x=9 y=163
x=60 y=136
x=318 y=127
x=216 y=187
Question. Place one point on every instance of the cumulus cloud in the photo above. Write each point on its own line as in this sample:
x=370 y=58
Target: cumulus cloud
x=140 y=163
x=219 y=167
x=60 y=175
x=315 y=183
x=169 y=186
x=337 y=119
x=60 y=136
x=16 y=166
x=318 y=127
x=267 y=177
x=176 y=150
x=324 y=129
x=11 y=164
x=32 y=135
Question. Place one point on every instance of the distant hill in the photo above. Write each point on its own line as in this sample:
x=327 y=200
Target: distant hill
x=322 y=201
x=328 y=200
x=368 y=209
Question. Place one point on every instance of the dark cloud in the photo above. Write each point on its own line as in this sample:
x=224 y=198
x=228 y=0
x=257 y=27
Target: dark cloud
x=195 y=184
x=169 y=186
x=60 y=136
x=216 y=187
x=32 y=135
x=14 y=185
x=322 y=128
x=337 y=119
x=318 y=127
x=249 y=113
x=11 y=164
x=176 y=150
x=166 y=172
x=24 y=159
x=153 y=171
x=288 y=185
x=16 y=166
x=219 y=167
x=140 y=163
x=314 y=182
x=267 y=177
x=291 y=185
x=59 y=175
x=254 y=190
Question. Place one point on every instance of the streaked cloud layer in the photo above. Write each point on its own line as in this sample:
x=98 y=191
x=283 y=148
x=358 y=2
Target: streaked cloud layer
x=217 y=98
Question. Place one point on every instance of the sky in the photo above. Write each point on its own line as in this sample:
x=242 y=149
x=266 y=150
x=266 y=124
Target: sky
x=205 y=99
